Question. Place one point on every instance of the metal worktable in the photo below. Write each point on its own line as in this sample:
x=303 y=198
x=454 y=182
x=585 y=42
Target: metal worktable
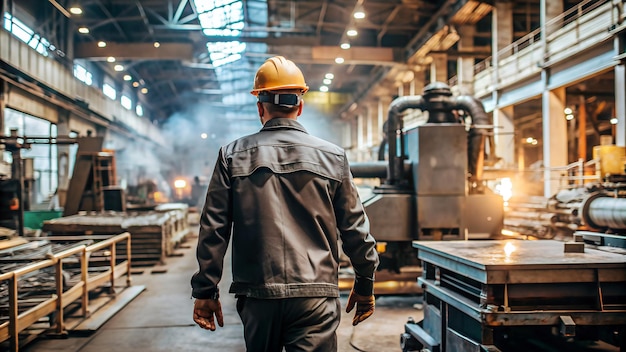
x=480 y=295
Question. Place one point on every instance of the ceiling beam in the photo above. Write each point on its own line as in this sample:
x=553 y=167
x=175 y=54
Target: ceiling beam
x=375 y=55
x=129 y=51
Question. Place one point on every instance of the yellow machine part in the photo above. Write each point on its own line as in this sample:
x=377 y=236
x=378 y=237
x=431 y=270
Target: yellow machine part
x=612 y=159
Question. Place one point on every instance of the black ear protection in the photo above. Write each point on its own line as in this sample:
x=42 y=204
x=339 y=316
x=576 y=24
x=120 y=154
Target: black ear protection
x=289 y=99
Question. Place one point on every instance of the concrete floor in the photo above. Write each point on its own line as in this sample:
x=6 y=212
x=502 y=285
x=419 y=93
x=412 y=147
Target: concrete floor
x=160 y=319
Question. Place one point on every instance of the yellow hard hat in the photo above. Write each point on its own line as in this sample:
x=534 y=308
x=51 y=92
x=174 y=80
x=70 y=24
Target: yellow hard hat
x=278 y=73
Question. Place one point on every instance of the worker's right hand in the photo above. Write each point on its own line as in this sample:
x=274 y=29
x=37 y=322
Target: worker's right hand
x=203 y=311
x=364 y=306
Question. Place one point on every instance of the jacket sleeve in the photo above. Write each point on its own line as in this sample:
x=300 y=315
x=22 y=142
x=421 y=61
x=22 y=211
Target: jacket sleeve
x=215 y=231
x=357 y=242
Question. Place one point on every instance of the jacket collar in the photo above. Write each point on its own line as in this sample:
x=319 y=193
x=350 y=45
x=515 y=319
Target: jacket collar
x=283 y=123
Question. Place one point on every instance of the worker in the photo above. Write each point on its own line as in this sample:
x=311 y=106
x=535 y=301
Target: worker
x=286 y=196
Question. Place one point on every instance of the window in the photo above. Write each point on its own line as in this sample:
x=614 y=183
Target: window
x=139 y=110
x=25 y=34
x=225 y=52
x=44 y=155
x=127 y=103
x=109 y=91
x=82 y=74
x=222 y=18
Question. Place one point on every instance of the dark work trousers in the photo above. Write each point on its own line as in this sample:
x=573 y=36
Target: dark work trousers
x=299 y=324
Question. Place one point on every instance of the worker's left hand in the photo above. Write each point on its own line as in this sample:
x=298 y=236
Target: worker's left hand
x=203 y=311
x=364 y=306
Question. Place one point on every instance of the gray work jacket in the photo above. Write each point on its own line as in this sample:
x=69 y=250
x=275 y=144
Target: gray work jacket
x=286 y=195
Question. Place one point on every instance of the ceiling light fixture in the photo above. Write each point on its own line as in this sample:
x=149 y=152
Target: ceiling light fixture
x=352 y=33
x=102 y=44
x=135 y=84
x=345 y=46
x=614 y=120
x=110 y=59
x=339 y=60
x=75 y=10
x=157 y=44
x=359 y=15
x=127 y=77
x=327 y=81
x=83 y=30
x=144 y=90
x=118 y=68
x=323 y=89
x=329 y=76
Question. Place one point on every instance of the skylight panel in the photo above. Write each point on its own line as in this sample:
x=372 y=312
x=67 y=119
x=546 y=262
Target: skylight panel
x=225 y=52
x=222 y=18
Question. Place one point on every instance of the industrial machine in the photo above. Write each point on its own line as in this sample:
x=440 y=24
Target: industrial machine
x=517 y=295
x=432 y=187
x=502 y=295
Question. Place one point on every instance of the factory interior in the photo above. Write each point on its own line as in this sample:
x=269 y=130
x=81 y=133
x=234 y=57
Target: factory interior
x=487 y=140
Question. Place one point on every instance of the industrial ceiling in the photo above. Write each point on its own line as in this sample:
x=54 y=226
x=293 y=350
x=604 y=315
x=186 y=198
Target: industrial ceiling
x=166 y=46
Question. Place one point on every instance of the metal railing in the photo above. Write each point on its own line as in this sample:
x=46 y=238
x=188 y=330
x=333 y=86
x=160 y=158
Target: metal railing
x=17 y=322
x=585 y=25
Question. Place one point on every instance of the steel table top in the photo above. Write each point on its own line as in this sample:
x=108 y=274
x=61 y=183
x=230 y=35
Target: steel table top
x=495 y=260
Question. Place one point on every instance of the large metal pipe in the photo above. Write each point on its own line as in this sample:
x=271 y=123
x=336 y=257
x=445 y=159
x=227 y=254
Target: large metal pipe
x=601 y=211
x=476 y=138
x=394 y=131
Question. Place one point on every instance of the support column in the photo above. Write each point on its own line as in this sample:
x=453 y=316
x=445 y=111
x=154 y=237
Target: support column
x=502 y=24
x=439 y=68
x=360 y=132
x=63 y=151
x=417 y=84
x=504 y=134
x=620 y=105
x=465 y=64
x=582 y=128
x=554 y=137
x=369 y=139
x=4 y=94
x=549 y=9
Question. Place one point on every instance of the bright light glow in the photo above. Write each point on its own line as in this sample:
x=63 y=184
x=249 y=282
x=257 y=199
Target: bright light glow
x=323 y=89
x=329 y=76
x=144 y=90
x=110 y=59
x=102 y=44
x=613 y=120
x=352 y=33
x=222 y=53
x=118 y=68
x=135 y=84
x=157 y=44
x=359 y=15
x=509 y=248
x=567 y=111
x=75 y=10
x=83 y=30
x=27 y=35
x=531 y=140
x=83 y=75
x=127 y=77
x=339 y=60
x=222 y=18
x=505 y=189
x=345 y=46
x=139 y=110
x=109 y=91
x=127 y=103
x=569 y=117
x=204 y=136
x=180 y=183
x=327 y=81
